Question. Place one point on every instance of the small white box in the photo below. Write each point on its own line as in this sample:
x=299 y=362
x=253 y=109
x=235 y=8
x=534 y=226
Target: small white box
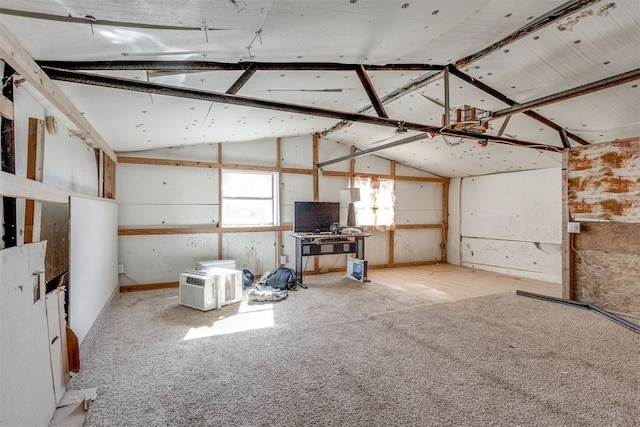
x=573 y=227
x=219 y=263
x=209 y=289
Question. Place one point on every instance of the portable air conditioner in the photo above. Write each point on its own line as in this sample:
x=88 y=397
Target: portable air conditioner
x=221 y=263
x=209 y=289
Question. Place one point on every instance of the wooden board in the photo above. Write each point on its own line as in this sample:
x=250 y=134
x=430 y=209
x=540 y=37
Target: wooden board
x=604 y=182
x=609 y=280
x=55 y=230
x=623 y=238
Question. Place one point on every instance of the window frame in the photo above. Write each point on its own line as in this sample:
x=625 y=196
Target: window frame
x=274 y=198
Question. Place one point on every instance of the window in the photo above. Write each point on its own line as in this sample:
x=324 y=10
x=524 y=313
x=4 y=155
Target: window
x=376 y=205
x=249 y=198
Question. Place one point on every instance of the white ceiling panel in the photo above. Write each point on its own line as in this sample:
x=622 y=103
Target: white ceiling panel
x=592 y=42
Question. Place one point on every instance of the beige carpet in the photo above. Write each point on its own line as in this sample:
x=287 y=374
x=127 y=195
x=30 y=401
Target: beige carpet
x=343 y=353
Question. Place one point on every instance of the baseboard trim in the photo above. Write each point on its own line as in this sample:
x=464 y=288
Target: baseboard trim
x=148 y=287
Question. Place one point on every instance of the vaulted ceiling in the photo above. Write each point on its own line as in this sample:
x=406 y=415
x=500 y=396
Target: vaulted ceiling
x=520 y=80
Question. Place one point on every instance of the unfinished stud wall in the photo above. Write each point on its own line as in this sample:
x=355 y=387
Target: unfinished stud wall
x=508 y=223
x=603 y=186
x=169 y=208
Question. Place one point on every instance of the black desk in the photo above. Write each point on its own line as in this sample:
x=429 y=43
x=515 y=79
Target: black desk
x=326 y=244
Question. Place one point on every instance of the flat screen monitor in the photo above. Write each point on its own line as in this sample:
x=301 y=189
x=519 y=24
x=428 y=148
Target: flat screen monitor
x=315 y=217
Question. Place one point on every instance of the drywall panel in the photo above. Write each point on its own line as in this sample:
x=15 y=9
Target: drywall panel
x=261 y=152
x=541 y=261
x=255 y=252
x=418 y=202
x=137 y=215
x=417 y=245
x=293 y=188
x=94 y=260
x=453 y=237
x=297 y=152
x=520 y=206
x=26 y=385
x=603 y=182
x=162 y=258
x=166 y=185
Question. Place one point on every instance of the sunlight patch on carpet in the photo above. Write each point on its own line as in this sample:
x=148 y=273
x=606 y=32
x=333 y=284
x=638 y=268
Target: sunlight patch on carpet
x=248 y=317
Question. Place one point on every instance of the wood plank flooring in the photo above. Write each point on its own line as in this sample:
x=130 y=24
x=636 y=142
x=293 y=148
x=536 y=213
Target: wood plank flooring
x=447 y=282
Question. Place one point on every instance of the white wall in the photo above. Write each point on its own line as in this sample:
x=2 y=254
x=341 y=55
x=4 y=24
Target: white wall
x=94 y=268
x=509 y=223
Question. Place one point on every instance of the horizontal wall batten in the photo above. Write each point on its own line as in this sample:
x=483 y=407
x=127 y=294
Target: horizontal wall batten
x=6 y=108
x=209 y=165
x=416 y=226
x=148 y=287
x=204 y=229
x=396 y=177
x=15 y=186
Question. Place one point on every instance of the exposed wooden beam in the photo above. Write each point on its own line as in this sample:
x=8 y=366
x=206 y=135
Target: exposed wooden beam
x=12 y=52
x=563 y=137
x=209 y=165
x=540 y=22
x=188 y=66
x=6 y=108
x=371 y=92
x=181 y=92
x=18 y=187
x=242 y=80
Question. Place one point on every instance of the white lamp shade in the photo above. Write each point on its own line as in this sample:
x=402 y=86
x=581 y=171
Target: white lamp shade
x=350 y=195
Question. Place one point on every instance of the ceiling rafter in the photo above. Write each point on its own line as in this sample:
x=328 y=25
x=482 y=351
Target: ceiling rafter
x=228 y=66
x=160 y=89
x=370 y=90
x=242 y=80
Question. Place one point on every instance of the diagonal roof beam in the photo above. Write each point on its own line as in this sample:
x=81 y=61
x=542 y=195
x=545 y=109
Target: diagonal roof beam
x=242 y=80
x=498 y=95
x=371 y=92
x=147 y=87
x=541 y=22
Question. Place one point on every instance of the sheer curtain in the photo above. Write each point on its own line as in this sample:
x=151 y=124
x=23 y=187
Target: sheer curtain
x=376 y=205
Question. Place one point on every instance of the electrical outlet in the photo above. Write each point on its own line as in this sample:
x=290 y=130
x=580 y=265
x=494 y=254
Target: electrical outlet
x=573 y=227
x=283 y=259
x=120 y=268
